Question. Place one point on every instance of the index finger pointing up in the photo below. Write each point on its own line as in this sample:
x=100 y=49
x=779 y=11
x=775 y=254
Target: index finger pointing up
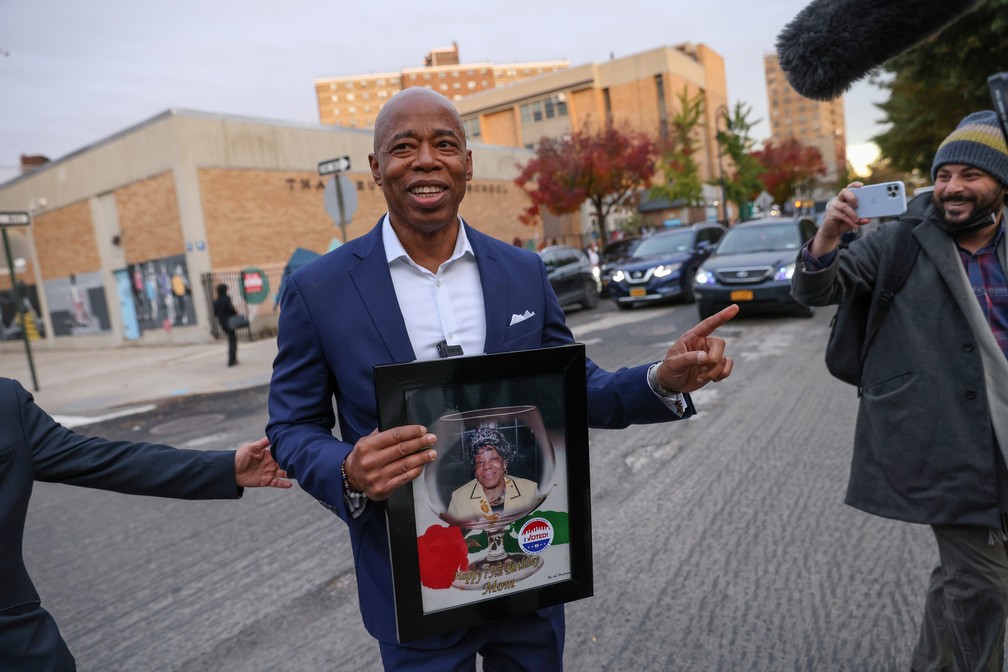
x=709 y=325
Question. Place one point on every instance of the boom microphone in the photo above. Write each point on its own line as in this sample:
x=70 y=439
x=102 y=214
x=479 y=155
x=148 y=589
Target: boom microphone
x=831 y=44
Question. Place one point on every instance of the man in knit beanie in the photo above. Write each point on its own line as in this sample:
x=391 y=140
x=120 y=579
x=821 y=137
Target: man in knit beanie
x=970 y=173
x=932 y=425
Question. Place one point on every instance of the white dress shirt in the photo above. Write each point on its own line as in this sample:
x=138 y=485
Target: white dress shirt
x=443 y=306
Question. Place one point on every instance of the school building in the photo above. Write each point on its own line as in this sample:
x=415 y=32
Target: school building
x=130 y=234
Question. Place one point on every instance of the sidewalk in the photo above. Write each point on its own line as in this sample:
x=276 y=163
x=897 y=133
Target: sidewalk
x=78 y=386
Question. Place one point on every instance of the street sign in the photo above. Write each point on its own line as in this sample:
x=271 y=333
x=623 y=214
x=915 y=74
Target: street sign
x=347 y=192
x=340 y=164
x=15 y=219
x=255 y=285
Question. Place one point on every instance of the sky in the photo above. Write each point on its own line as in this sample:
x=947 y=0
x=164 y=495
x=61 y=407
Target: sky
x=73 y=72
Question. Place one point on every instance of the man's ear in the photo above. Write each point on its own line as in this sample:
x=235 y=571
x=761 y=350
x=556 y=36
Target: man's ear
x=375 y=169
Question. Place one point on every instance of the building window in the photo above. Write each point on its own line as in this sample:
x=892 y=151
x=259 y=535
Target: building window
x=472 y=128
x=607 y=104
x=471 y=84
x=334 y=98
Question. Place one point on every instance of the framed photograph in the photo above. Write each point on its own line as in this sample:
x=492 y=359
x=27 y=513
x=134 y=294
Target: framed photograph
x=500 y=523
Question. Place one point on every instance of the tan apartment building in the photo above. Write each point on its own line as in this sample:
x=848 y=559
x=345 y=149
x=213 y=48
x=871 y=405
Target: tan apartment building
x=816 y=123
x=129 y=234
x=639 y=91
x=354 y=100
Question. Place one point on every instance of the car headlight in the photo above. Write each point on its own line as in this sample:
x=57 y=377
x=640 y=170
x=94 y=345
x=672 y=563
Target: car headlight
x=618 y=276
x=666 y=269
x=784 y=272
x=703 y=277
x=596 y=272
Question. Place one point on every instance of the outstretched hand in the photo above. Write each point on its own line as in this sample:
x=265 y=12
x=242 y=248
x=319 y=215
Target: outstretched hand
x=697 y=358
x=255 y=468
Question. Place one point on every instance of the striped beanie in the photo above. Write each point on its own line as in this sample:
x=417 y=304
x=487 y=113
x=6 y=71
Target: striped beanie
x=977 y=141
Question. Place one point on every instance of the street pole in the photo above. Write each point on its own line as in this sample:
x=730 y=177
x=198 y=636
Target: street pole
x=19 y=305
x=339 y=199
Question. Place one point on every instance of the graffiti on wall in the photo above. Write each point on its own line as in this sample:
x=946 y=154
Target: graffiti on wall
x=162 y=293
x=77 y=305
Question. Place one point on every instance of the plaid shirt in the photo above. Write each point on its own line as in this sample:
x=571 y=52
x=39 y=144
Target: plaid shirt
x=990 y=286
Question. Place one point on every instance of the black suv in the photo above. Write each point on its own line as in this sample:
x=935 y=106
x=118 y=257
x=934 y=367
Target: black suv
x=570 y=274
x=661 y=267
x=752 y=266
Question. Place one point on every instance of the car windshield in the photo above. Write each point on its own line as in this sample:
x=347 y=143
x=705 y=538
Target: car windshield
x=618 y=248
x=664 y=244
x=760 y=238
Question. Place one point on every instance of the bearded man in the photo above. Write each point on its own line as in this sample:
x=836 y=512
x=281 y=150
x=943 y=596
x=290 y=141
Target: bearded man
x=932 y=424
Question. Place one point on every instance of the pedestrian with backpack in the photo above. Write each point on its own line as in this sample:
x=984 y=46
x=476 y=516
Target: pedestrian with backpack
x=932 y=424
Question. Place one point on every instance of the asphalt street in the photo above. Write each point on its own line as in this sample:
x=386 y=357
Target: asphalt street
x=719 y=543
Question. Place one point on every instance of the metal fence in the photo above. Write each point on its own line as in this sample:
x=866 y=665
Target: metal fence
x=233 y=280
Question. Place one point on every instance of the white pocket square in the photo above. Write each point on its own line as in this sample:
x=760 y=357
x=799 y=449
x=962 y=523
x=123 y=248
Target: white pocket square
x=515 y=319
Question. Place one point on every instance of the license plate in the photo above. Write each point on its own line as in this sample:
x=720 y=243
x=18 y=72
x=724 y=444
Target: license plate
x=742 y=295
x=638 y=291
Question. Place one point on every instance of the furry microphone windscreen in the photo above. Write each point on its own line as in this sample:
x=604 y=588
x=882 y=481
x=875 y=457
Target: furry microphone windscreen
x=831 y=44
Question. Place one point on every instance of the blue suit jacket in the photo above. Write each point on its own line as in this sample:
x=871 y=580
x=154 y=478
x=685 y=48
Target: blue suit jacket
x=339 y=318
x=34 y=447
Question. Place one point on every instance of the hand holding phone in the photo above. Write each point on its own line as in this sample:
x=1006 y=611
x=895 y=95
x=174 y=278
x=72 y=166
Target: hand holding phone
x=887 y=199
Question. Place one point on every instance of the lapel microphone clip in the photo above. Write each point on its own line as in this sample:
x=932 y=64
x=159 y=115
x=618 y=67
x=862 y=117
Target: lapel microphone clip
x=445 y=350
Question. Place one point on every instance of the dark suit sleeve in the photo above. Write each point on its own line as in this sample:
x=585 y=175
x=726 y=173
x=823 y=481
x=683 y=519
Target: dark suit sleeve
x=616 y=399
x=301 y=407
x=60 y=455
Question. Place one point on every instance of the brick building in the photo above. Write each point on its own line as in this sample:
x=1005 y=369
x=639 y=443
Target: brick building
x=816 y=123
x=639 y=91
x=127 y=230
x=354 y=100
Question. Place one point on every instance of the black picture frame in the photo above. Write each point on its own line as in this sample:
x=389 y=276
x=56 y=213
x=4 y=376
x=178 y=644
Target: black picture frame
x=465 y=398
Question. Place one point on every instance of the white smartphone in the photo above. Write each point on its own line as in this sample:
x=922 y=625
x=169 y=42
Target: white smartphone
x=887 y=199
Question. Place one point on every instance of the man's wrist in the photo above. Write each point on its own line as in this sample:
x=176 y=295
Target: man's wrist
x=657 y=387
x=355 y=499
x=675 y=401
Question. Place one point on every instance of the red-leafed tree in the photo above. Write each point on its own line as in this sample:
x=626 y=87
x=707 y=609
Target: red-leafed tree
x=607 y=167
x=787 y=166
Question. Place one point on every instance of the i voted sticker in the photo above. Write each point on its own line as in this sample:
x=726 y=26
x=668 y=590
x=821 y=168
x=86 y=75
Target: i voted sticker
x=535 y=536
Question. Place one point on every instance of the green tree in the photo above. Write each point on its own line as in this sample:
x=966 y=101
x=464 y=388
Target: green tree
x=788 y=166
x=935 y=84
x=680 y=169
x=742 y=177
x=607 y=167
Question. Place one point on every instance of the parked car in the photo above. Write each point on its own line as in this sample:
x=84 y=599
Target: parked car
x=610 y=256
x=662 y=266
x=752 y=266
x=570 y=274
